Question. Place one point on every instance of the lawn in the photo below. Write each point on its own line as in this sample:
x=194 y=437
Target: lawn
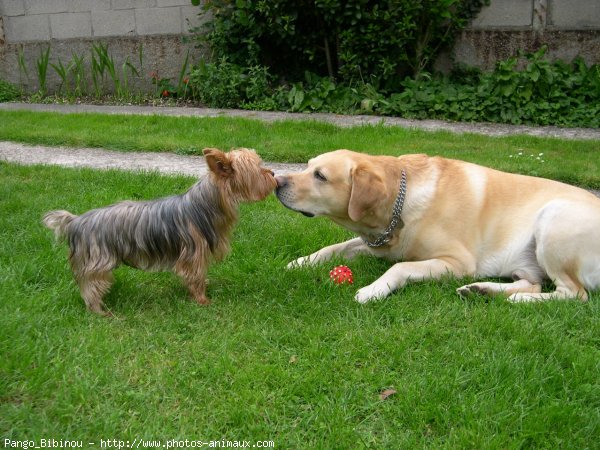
x=279 y=355
x=572 y=161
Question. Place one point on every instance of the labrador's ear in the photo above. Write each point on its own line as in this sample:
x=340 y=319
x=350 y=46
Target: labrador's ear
x=368 y=190
x=218 y=162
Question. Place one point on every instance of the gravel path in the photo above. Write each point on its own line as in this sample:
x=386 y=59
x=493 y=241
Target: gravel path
x=167 y=163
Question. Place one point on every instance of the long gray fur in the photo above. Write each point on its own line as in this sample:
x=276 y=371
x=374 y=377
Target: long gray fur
x=146 y=235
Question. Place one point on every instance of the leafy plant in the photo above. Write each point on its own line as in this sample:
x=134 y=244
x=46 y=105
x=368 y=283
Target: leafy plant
x=42 y=70
x=127 y=69
x=183 y=80
x=227 y=85
x=78 y=71
x=543 y=93
x=104 y=66
x=98 y=67
x=23 y=72
x=321 y=94
x=8 y=91
x=63 y=72
x=163 y=86
x=109 y=65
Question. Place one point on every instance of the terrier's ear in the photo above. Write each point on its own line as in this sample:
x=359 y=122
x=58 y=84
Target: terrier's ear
x=368 y=190
x=218 y=162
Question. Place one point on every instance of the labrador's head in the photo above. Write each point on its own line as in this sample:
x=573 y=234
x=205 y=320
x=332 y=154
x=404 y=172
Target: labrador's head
x=341 y=184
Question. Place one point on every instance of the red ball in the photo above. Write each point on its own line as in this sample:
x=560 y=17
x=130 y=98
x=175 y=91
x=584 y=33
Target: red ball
x=341 y=274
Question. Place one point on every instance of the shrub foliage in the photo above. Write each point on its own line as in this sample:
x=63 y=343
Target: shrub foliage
x=8 y=91
x=543 y=93
x=379 y=42
x=366 y=56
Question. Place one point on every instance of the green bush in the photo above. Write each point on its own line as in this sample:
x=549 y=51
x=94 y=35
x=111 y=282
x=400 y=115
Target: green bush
x=320 y=94
x=543 y=93
x=366 y=40
x=226 y=85
x=8 y=91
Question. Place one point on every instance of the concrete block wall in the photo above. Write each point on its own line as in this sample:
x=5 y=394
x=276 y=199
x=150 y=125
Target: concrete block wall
x=43 y=20
x=539 y=14
x=157 y=27
x=569 y=28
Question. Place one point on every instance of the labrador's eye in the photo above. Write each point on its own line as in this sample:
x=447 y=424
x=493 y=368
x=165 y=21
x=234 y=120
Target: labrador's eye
x=319 y=176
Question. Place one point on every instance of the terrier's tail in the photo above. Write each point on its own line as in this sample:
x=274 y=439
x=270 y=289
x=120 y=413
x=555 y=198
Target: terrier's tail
x=59 y=222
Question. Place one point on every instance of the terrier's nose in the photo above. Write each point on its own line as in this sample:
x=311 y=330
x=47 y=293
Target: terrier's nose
x=281 y=181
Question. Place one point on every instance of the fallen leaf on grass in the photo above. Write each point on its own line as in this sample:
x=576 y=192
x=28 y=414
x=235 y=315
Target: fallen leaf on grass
x=387 y=393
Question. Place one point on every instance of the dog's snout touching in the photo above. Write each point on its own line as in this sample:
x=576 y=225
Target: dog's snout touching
x=281 y=181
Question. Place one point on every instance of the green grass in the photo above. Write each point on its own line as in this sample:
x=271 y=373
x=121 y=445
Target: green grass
x=572 y=161
x=279 y=355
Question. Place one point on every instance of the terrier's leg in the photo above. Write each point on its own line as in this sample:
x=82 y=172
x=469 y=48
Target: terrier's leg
x=193 y=274
x=197 y=287
x=93 y=287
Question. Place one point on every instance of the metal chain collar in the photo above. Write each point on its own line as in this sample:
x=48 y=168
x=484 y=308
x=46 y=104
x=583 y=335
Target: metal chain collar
x=385 y=237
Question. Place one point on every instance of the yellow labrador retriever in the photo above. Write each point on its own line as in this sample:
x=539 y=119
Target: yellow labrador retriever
x=434 y=216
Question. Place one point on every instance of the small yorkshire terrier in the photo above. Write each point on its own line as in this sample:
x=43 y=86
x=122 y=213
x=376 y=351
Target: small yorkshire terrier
x=182 y=233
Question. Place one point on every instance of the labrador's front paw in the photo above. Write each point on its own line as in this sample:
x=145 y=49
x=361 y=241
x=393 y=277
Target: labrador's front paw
x=372 y=292
x=304 y=261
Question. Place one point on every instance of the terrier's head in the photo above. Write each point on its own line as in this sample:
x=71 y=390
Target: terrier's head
x=240 y=171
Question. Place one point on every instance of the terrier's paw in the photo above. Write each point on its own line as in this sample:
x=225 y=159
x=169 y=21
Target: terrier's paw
x=100 y=309
x=203 y=300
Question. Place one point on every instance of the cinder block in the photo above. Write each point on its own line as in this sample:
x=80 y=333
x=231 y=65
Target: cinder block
x=113 y=23
x=165 y=3
x=27 y=28
x=88 y=5
x=154 y=21
x=46 y=6
x=505 y=14
x=12 y=8
x=575 y=14
x=133 y=4
x=70 y=25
